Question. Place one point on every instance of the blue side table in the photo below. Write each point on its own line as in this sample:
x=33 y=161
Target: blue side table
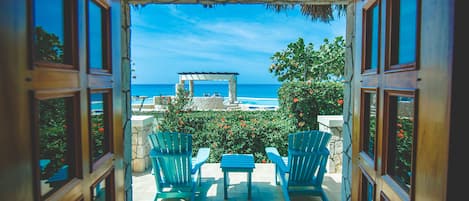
x=237 y=163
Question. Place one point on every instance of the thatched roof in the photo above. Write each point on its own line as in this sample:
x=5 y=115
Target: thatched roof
x=322 y=10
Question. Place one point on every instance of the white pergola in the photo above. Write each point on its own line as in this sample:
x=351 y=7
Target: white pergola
x=210 y=76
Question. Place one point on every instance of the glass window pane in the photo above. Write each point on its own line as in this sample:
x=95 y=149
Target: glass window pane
x=95 y=17
x=99 y=125
x=56 y=151
x=372 y=37
x=99 y=191
x=373 y=54
x=407 y=30
x=401 y=136
x=383 y=197
x=50 y=36
x=404 y=29
x=370 y=124
x=367 y=189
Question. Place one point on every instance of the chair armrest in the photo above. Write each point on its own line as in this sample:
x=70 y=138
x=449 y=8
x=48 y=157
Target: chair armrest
x=200 y=158
x=60 y=175
x=325 y=152
x=274 y=156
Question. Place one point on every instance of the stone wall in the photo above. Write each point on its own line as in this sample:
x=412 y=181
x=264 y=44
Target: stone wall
x=126 y=104
x=351 y=58
x=160 y=103
x=208 y=103
x=142 y=126
x=333 y=124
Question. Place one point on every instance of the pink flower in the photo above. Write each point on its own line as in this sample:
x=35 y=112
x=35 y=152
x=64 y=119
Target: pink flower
x=400 y=135
x=340 y=101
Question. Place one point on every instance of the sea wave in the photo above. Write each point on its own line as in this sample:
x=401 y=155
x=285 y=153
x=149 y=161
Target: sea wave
x=261 y=102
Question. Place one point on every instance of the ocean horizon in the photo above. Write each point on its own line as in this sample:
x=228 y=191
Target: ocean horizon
x=254 y=94
x=243 y=90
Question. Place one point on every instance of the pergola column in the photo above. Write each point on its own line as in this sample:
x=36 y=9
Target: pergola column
x=191 y=88
x=232 y=90
x=221 y=76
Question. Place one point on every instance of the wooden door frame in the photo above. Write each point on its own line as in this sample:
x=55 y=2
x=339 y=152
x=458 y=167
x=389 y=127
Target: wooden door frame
x=433 y=80
x=15 y=168
x=19 y=78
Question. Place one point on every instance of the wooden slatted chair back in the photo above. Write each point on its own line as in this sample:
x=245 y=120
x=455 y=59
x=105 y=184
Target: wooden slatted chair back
x=305 y=155
x=174 y=151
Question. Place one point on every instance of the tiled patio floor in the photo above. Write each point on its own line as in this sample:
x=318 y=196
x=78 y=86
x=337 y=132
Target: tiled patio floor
x=263 y=185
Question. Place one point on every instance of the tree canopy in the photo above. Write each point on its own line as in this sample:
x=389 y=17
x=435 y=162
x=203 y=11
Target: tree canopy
x=48 y=46
x=301 y=62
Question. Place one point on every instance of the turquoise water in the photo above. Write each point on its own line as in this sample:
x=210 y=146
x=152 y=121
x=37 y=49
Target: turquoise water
x=254 y=94
x=243 y=90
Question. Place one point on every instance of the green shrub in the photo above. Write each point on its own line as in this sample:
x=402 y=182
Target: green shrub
x=234 y=132
x=302 y=102
x=176 y=108
x=252 y=131
x=54 y=134
x=403 y=147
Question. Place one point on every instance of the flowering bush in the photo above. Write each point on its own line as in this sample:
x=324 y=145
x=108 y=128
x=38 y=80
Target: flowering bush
x=403 y=148
x=97 y=136
x=252 y=131
x=302 y=102
x=53 y=134
x=234 y=131
x=172 y=120
x=400 y=147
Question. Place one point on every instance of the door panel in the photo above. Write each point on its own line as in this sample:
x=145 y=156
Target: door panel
x=408 y=152
x=47 y=152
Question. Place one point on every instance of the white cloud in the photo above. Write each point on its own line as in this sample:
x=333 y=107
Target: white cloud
x=174 y=12
x=181 y=41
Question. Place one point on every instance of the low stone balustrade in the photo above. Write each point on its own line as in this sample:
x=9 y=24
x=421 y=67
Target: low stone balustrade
x=208 y=103
x=333 y=124
x=142 y=126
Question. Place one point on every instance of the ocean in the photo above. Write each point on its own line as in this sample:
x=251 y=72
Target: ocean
x=254 y=94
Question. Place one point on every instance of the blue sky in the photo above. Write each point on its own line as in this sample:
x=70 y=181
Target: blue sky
x=167 y=39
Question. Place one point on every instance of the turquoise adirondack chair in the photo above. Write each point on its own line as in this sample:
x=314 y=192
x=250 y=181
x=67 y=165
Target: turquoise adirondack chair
x=304 y=168
x=176 y=172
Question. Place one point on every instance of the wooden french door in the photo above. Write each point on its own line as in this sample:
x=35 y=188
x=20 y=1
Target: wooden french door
x=401 y=103
x=61 y=116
